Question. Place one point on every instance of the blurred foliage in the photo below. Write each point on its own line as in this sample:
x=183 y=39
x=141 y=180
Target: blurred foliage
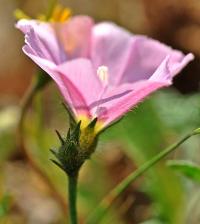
x=4 y=205
x=8 y=122
x=178 y=112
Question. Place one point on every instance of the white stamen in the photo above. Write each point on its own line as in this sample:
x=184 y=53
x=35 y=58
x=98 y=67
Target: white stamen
x=102 y=72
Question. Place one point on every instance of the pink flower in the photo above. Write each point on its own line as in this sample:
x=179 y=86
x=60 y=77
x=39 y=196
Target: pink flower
x=101 y=70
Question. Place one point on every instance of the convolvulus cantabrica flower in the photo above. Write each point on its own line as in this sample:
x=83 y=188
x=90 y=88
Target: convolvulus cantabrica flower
x=101 y=70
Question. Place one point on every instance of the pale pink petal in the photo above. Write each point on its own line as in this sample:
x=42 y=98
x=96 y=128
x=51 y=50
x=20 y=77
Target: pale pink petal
x=146 y=55
x=82 y=75
x=75 y=36
x=45 y=64
x=73 y=97
x=110 y=47
x=71 y=94
x=40 y=36
x=119 y=100
x=133 y=95
x=177 y=67
x=129 y=57
x=58 y=42
x=167 y=70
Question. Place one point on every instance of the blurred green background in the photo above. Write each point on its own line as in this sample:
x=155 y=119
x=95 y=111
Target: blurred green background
x=163 y=195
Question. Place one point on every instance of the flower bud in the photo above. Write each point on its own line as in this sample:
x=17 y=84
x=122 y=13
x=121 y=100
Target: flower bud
x=76 y=147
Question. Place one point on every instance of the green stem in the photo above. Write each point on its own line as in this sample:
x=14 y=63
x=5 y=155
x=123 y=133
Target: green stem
x=26 y=102
x=103 y=207
x=39 y=81
x=72 y=196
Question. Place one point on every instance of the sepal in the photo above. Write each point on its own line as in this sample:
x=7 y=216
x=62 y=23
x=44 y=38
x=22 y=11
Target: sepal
x=62 y=141
x=92 y=123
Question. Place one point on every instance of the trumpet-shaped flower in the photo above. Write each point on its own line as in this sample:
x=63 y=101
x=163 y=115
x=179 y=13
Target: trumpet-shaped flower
x=101 y=70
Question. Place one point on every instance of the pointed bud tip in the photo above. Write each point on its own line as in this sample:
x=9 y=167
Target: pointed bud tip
x=76 y=132
x=57 y=164
x=60 y=137
x=53 y=151
x=69 y=133
x=92 y=123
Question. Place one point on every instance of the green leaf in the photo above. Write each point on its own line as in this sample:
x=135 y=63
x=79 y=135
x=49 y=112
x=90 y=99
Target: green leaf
x=187 y=168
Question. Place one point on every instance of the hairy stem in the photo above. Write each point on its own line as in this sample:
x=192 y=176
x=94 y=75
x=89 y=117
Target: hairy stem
x=103 y=207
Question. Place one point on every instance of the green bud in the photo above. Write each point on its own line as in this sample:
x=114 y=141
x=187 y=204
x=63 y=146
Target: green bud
x=75 y=148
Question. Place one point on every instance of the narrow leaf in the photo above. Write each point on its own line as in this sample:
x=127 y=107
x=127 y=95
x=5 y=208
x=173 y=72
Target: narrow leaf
x=187 y=168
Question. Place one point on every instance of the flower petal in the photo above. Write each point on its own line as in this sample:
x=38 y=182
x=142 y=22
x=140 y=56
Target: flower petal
x=129 y=57
x=50 y=68
x=130 y=96
x=81 y=74
x=145 y=57
x=110 y=47
x=71 y=94
x=58 y=42
x=40 y=36
x=120 y=100
x=75 y=36
x=168 y=69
